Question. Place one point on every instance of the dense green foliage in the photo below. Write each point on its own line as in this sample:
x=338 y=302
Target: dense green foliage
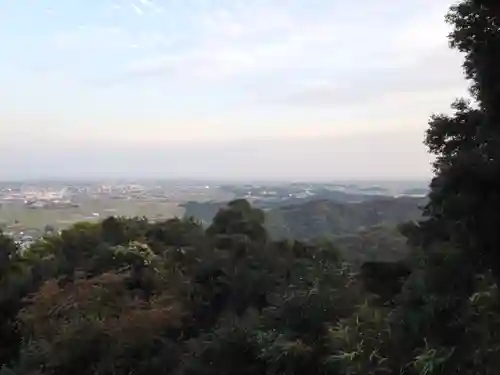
x=128 y=296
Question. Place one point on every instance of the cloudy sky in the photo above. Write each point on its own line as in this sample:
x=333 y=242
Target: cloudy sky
x=223 y=88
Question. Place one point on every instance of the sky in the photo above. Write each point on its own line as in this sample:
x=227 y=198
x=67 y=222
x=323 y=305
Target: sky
x=285 y=89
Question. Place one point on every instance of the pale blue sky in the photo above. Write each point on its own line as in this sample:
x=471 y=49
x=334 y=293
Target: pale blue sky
x=146 y=73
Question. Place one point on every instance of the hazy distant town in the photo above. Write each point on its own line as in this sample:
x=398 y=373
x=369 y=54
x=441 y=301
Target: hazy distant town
x=31 y=210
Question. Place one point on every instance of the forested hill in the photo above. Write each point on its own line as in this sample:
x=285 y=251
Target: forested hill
x=205 y=211
x=324 y=218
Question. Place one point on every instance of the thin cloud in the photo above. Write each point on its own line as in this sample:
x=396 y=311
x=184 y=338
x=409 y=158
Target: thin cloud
x=138 y=10
x=231 y=22
x=148 y=5
x=219 y=62
x=91 y=36
x=228 y=41
x=272 y=62
x=155 y=65
x=369 y=86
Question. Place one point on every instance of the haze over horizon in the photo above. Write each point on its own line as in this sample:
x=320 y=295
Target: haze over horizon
x=260 y=89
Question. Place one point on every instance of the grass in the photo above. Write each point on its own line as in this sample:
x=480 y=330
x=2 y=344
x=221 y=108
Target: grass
x=10 y=213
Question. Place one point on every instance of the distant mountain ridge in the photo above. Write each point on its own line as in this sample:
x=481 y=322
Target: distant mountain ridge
x=327 y=219
x=311 y=218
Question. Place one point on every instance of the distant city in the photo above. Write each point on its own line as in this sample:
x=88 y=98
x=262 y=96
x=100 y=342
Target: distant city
x=31 y=210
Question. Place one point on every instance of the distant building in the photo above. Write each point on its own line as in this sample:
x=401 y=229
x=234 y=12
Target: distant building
x=49 y=204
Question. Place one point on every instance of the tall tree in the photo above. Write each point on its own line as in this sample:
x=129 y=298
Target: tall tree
x=465 y=192
x=9 y=298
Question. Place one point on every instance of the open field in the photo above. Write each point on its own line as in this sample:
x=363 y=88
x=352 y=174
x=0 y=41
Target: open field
x=16 y=214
